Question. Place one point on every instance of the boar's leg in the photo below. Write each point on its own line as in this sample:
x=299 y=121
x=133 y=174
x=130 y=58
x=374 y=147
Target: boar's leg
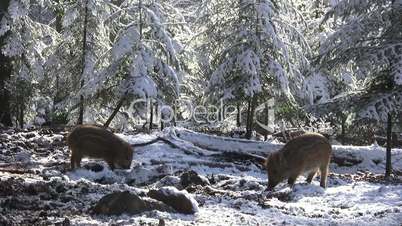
x=75 y=160
x=72 y=162
x=292 y=180
x=111 y=164
x=324 y=173
x=311 y=176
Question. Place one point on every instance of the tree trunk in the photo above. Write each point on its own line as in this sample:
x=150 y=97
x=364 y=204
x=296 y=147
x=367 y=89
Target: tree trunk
x=84 y=51
x=81 y=110
x=266 y=121
x=238 y=123
x=162 y=118
x=388 y=166
x=59 y=20
x=248 y=132
x=253 y=106
x=221 y=111
x=151 y=117
x=21 y=113
x=57 y=94
x=157 y=114
x=253 y=99
x=115 y=111
x=140 y=17
x=174 y=116
x=56 y=100
x=5 y=72
x=250 y=116
x=343 y=129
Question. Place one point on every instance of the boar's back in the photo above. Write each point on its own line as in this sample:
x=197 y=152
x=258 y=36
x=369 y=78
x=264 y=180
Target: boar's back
x=94 y=141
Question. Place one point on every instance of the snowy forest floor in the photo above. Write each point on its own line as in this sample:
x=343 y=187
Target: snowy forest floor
x=37 y=187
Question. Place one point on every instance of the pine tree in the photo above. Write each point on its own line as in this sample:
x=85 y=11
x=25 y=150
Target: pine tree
x=85 y=39
x=367 y=37
x=5 y=113
x=247 y=51
x=144 y=60
x=28 y=42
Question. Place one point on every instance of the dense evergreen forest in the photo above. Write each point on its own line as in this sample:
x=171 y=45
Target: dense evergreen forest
x=74 y=62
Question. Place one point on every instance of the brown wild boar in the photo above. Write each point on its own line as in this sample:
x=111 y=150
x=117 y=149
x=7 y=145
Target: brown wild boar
x=306 y=153
x=97 y=142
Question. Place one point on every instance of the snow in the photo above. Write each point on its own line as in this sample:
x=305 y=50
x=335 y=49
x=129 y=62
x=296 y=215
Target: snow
x=14 y=47
x=381 y=105
x=4 y=26
x=249 y=63
x=70 y=17
x=398 y=72
x=125 y=43
x=276 y=69
x=160 y=33
x=316 y=87
x=18 y=9
x=139 y=82
x=234 y=196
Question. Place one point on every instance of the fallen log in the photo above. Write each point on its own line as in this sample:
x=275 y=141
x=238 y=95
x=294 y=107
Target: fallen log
x=19 y=171
x=237 y=156
x=185 y=146
x=231 y=156
x=345 y=160
x=157 y=139
x=206 y=163
x=234 y=150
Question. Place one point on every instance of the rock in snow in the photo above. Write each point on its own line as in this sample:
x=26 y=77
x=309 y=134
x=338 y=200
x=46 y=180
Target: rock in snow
x=181 y=201
x=124 y=202
x=192 y=178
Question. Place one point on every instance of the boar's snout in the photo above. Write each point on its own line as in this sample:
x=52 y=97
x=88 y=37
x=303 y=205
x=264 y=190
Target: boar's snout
x=126 y=159
x=271 y=184
x=124 y=163
x=127 y=165
x=274 y=171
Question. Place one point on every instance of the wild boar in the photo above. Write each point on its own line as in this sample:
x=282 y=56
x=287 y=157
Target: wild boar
x=99 y=143
x=309 y=152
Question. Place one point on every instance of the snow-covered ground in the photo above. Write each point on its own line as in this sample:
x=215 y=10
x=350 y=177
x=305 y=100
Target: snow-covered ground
x=37 y=185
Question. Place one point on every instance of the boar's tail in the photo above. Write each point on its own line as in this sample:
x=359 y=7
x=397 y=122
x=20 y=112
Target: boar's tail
x=147 y=143
x=232 y=156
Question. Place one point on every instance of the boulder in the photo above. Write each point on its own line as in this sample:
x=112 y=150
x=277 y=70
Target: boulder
x=181 y=201
x=124 y=202
x=169 y=180
x=192 y=178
